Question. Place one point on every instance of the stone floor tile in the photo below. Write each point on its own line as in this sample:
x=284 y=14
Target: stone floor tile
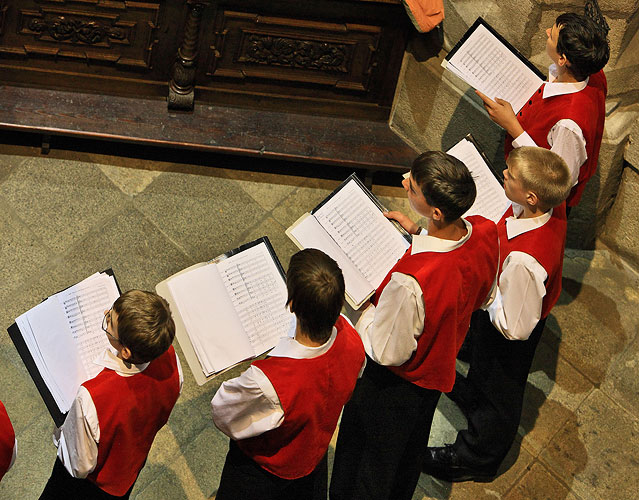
x=595 y=453
x=18 y=392
x=555 y=390
x=130 y=180
x=447 y=421
x=518 y=461
x=539 y=484
x=268 y=190
x=302 y=200
x=203 y=214
x=33 y=465
x=138 y=252
x=8 y=163
x=21 y=252
x=282 y=244
x=622 y=382
x=60 y=200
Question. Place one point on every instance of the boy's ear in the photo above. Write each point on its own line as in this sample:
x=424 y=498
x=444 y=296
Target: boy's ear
x=563 y=61
x=126 y=353
x=437 y=214
x=532 y=199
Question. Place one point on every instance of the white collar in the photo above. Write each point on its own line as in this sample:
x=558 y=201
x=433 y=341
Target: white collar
x=109 y=359
x=553 y=88
x=515 y=226
x=288 y=347
x=423 y=242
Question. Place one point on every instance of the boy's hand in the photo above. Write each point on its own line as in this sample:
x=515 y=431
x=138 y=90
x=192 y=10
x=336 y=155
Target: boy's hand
x=403 y=220
x=501 y=112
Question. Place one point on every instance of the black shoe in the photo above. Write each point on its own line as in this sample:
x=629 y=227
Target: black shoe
x=443 y=463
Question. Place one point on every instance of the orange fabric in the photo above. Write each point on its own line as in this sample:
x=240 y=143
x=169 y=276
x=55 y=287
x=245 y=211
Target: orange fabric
x=425 y=14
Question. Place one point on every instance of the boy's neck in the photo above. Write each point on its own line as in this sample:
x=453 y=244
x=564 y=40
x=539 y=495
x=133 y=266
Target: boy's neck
x=530 y=212
x=303 y=338
x=453 y=231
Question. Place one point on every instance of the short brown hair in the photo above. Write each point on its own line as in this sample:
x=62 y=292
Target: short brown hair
x=144 y=324
x=543 y=172
x=316 y=290
x=445 y=183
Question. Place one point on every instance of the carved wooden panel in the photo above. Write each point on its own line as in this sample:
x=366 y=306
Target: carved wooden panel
x=116 y=33
x=250 y=45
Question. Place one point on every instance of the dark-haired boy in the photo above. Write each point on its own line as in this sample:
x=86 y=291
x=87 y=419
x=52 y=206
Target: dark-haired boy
x=108 y=432
x=282 y=412
x=412 y=332
x=567 y=113
x=532 y=233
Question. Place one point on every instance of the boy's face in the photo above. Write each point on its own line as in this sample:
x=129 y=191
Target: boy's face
x=513 y=187
x=416 y=198
x=110 y=327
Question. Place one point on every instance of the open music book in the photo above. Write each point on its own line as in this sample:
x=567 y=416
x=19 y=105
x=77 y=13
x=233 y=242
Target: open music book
x=59 y=338
x=491 y=201
x=488 y=63
x=350 y=227
x=230 y=309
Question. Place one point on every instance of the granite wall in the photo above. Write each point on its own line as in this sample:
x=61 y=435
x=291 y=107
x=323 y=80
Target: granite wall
x=434 y=109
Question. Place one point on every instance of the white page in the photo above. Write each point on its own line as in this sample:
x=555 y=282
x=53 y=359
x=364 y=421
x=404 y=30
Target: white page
x=209 y=318
x=57 y=349
x=84 y=305
x=486 y=64
x=310 y=234
x=491 y=201
x=258 y=294
x=369 y=239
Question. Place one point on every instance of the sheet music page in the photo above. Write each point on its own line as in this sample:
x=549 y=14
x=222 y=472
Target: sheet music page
x=491 y=201
x=258 y=294
x=310 y=234
x=64 y=335
x=368 y=238
x=215 y=331
x=486 y=64
x=84 y=305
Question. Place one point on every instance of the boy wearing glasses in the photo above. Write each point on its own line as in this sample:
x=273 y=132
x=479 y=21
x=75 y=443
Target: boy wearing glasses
x=106 y=437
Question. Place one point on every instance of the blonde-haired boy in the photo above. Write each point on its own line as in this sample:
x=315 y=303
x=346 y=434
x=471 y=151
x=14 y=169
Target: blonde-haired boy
x=108 y=432
x=532 y=235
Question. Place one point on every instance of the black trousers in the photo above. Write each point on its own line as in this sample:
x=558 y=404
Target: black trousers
x=382 y=437
x=243 y=479
x=63 y=486
x=492 y=394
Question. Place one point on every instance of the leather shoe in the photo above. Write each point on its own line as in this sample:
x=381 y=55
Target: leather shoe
x=444 y=463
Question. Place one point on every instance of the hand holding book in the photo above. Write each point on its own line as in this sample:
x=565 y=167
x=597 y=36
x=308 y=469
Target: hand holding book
x=501 y=112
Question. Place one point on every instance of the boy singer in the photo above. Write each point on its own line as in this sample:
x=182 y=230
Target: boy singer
x=532 y=234
x=567 y=113
x=106 y=437
x=412 y=332
x=282 y=412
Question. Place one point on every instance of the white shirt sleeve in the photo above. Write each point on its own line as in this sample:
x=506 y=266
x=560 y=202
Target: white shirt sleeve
x=77 y=440
x=390 y=330
x=567 y=140
x=516 y=309
x=180 y=374
x=247 y=406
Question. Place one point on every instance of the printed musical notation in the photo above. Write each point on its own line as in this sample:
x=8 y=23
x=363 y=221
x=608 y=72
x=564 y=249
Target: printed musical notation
x=488 y=65
x=84 y=309
x=258 y=295
x=372 y=244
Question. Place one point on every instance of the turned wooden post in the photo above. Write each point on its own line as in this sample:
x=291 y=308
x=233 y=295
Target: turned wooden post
x=181 y=86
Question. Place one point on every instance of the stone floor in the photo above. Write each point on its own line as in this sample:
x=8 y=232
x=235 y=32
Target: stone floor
x=69 y=214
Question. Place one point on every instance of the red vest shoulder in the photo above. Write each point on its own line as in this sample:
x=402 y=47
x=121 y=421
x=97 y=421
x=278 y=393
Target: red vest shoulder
x=312 y=393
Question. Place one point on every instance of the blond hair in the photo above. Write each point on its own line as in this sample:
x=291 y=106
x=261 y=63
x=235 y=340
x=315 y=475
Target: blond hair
x=543 y=172
x=144 y=324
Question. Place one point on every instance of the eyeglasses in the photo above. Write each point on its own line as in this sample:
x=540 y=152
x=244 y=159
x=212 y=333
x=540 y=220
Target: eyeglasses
x=106 y=321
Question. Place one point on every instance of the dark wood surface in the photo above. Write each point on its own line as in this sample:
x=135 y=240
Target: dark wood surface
x=370 y=145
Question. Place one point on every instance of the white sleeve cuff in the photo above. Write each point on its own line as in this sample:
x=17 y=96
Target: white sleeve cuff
x=523 y=140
